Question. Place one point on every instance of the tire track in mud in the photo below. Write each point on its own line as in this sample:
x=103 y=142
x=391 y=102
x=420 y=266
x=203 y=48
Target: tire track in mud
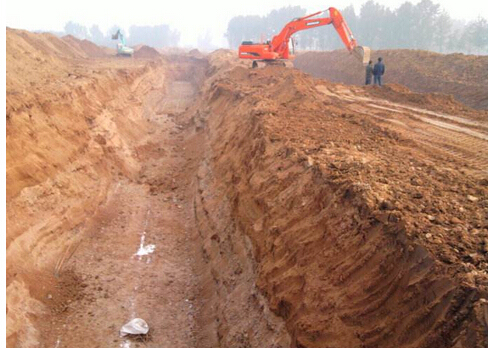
x=451 y=135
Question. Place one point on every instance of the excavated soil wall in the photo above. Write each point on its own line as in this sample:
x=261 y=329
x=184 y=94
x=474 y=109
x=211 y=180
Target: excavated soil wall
x=76 y=128
x=463 y=76
x=72 y=127
x=339 y=267
x=230 y=310
x=310 y=226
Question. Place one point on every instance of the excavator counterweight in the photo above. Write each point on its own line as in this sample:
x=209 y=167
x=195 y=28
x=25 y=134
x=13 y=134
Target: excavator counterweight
x=277 y=49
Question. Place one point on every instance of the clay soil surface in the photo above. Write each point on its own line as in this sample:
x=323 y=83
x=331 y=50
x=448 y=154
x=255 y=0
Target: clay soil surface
x=134 y=261
x=463 y=76
x=146 y=52
x=237 y=207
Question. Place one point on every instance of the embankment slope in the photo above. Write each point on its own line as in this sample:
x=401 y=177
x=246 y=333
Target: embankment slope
x=73 y=124
x=463 y=76
x=336 y=207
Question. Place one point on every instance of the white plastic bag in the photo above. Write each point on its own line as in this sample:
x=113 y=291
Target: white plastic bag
x=136 y=326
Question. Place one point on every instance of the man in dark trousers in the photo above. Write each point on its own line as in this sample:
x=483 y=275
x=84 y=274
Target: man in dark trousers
x=378 y=71
x=369 y=72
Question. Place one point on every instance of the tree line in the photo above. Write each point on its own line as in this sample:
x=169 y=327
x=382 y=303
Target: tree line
x=422 y=26
x=155 y=36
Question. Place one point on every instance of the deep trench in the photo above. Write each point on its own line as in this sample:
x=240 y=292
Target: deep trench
x=162 y=246
x=222 y=237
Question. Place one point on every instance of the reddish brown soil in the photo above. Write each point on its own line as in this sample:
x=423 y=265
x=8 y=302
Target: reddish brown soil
x=87 y=47
x=70 y=132
x=369 y=226
x=463 y=76
x=146 y=52
x=285 y=211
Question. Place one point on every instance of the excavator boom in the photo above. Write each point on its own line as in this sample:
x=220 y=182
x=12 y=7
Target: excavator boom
x=277 y=48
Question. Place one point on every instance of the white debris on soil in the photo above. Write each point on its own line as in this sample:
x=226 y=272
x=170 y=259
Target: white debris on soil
x=136 y=326
x=145 y=249
x=125 y=344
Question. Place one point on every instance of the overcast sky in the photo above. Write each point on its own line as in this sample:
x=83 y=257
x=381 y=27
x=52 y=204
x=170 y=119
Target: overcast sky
x=191 y=18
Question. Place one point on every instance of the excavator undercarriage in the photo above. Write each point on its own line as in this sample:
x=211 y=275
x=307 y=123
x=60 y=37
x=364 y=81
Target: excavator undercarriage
x=278 y=62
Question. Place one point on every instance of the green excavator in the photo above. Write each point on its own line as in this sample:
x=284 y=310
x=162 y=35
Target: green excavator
x=122 y=48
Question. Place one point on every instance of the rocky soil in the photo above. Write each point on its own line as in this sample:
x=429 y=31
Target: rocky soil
x=234 y=207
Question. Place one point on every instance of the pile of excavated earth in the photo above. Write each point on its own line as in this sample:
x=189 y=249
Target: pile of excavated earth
x=237 y=207
x=146 y=52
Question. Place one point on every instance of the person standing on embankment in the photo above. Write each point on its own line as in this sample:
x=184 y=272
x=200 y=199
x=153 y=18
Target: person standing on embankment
x=369 y=72
x=378 y=71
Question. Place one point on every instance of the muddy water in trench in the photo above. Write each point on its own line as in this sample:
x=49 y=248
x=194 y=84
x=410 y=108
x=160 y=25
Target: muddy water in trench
x=135 y=261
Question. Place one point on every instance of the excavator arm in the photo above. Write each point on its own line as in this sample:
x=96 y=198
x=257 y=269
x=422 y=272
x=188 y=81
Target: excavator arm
x=122 y=48
x=119 y=35
x=278 y=47
x=279 y=43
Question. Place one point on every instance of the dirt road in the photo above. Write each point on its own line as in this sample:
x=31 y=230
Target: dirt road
x=449 y=137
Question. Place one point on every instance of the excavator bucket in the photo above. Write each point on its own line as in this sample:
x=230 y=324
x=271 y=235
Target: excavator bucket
x=362 y=53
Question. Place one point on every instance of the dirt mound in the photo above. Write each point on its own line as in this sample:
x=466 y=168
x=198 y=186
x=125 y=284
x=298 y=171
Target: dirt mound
x=87 y=47
x=361 y=236
x=172 y=50
x=463 y=76
x=434 y=101
x=146 y=52
x=50 y=46
x=92 y=50
x=23 y=45
x=221 y=61
x=196 y=53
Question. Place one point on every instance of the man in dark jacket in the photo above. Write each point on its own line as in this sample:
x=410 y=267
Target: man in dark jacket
x=378 y=71
x=369 y=72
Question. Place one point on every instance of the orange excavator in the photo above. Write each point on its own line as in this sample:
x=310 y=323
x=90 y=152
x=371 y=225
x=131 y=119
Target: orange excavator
x=276 y=51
